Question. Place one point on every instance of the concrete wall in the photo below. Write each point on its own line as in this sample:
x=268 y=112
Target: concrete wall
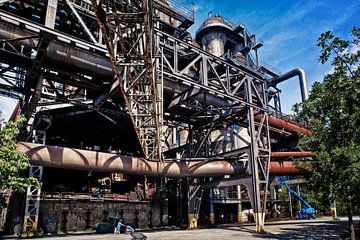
x=82 y=214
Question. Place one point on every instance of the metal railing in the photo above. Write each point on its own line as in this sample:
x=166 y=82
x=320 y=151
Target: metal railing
x=271 y=68
x=190 y=13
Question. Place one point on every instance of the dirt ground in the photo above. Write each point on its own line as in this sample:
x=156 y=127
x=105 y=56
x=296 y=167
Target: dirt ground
x=323 y=228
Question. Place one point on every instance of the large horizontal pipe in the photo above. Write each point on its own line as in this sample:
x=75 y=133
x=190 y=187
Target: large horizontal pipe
x=284 y=168
x=62 y=157
x=285 y=125
x=292 y=154
x=63 y=56
x=70 y=158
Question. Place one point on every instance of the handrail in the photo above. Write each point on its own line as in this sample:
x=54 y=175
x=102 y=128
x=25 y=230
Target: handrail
x=181 y=9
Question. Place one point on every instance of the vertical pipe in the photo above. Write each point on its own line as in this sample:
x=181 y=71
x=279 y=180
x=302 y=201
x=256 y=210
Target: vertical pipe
x=298 y=191
x=239 y=209
x=176 y=67
x=51 y=13
x=174 y=136
x=290 y=206
x=204 y=71
x=275 y=205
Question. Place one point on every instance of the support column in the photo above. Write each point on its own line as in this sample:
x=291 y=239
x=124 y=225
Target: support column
x=212 y=212
x=33 y=193
x=298 y=191
x=51 y=13
x=258 y=160
x=194 y=202
x=239 y=215
x=179 y=199
x=290 y=206
x=275 y=205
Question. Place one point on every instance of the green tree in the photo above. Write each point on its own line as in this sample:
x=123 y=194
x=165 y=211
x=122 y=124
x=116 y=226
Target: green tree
x=12 y=163
x=333 y=114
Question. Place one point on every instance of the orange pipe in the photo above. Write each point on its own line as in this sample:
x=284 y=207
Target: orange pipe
x=292 y=154
x=287 y=126
x=282 y=124
x=71 y=158
x=283 y=168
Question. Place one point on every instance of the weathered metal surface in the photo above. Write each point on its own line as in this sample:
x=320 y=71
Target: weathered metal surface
x=71 y=158
x=61 y=157
x=283 y=168
x=293 y=154
x=287 y=126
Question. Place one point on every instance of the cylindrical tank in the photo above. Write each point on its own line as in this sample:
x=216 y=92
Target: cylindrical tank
x=213 y=35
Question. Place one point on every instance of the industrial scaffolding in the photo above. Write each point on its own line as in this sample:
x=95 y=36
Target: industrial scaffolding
x=122 y=60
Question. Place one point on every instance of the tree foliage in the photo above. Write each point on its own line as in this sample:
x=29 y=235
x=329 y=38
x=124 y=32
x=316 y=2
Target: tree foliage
x=12 y=163
x=333 y=114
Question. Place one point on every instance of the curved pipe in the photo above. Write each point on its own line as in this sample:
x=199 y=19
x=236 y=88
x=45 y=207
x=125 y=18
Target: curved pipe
x=70 y=158
x=302 y=80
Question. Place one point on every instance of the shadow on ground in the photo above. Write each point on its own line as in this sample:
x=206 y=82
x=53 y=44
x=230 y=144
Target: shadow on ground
x=320 y=231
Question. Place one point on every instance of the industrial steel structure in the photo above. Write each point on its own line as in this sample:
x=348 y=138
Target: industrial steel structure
x=126 y=77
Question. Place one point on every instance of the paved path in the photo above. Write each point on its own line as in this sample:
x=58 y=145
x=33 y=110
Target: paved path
x=312 y=229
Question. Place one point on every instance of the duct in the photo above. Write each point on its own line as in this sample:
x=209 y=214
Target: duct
x=61 y=157
x=61 y=55
x=302 y=80
x=70 y=158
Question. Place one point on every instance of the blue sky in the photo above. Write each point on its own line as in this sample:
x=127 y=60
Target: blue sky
x=288 y=28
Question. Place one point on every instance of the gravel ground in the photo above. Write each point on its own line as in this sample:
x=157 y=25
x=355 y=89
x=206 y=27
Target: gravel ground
x=313 y=229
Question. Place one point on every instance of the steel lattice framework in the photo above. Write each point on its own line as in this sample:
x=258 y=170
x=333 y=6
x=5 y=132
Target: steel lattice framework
x=215 y=93
x=128 y=34
x=127 y=29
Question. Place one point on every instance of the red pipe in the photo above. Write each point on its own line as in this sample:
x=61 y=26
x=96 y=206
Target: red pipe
x=71 y=158
x=282 y=124
x=283 y=168
x=287 y=126
x=292 y=154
